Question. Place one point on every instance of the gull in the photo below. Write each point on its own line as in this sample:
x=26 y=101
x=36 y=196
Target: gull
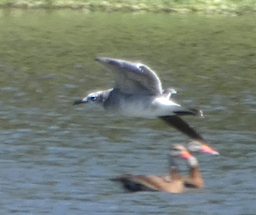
x=138 y=92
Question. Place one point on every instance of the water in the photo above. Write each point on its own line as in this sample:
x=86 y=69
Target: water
x=56 y=158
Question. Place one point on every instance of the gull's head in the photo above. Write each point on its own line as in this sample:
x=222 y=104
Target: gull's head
x=198 y=146
x=95 y=98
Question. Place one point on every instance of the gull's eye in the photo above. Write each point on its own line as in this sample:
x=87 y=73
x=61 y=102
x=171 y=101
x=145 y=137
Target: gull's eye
x=93 y=98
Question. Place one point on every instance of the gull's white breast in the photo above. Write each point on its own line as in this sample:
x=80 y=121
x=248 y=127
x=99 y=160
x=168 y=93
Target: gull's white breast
x=147 y=106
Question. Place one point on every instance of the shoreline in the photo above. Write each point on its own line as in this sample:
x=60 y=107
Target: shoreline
x=158 y=6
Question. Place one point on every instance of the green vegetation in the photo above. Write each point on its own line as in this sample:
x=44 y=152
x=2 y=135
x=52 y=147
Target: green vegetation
x=182 y=6
x=194 y=48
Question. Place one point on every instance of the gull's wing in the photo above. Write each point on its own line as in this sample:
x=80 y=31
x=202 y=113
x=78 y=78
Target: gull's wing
x=133 y=78
x=182 y=126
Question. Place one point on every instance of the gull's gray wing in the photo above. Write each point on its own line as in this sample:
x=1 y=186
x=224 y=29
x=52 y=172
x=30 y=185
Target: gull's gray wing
x=133 y=78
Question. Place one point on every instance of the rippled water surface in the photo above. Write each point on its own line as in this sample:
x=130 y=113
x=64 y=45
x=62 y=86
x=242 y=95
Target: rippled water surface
x=56 y=158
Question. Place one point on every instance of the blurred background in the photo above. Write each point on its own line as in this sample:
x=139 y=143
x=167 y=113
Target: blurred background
x=56 y=158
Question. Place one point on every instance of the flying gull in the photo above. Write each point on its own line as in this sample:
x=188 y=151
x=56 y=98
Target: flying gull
x=138 y=92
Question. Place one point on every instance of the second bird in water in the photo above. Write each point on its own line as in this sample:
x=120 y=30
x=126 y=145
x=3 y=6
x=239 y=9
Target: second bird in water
x=173 y=182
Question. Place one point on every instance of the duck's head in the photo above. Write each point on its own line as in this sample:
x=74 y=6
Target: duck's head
x=180 y=151
x=197 y=146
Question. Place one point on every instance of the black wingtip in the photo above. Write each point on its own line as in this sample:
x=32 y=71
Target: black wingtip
x=105 y=60
x=101 y=59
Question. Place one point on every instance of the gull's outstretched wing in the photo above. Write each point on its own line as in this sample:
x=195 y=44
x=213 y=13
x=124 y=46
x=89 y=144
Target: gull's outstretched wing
x=133 y=78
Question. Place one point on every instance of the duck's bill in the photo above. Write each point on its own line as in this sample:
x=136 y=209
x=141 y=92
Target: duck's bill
x=186 y=154
x=208 y=150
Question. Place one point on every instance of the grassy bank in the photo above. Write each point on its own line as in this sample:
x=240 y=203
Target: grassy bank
x=182 y=6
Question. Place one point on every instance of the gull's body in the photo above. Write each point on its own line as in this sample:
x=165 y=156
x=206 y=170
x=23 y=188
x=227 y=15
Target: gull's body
x=138 y=92
x=136 y=105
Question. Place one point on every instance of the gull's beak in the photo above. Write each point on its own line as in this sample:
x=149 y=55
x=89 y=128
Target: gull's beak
x=80 y=101
x=208 y=150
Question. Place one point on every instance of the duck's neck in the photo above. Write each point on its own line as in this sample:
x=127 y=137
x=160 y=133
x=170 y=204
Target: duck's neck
x=174 y=170
x=193 y=163
x=195 y=173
